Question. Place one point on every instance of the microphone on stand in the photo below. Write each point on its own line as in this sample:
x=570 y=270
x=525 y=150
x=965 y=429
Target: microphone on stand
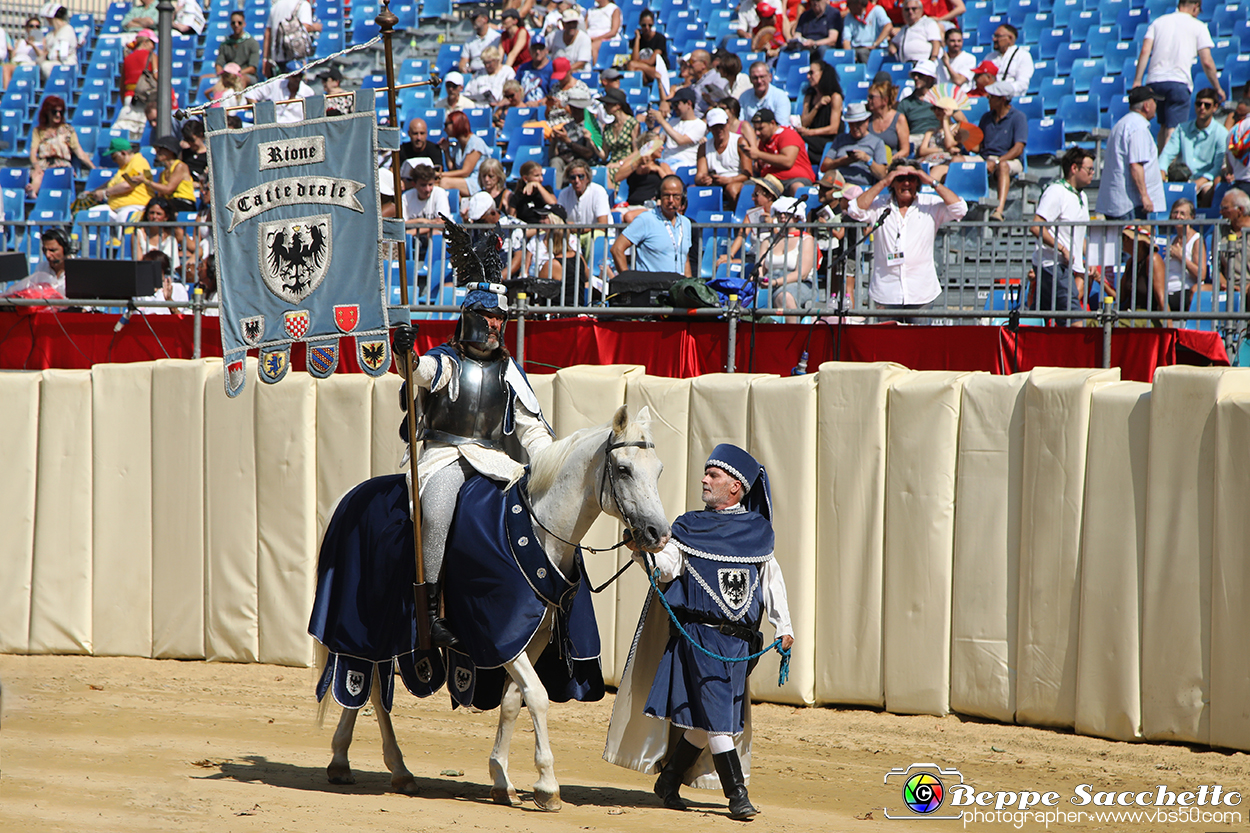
x=885 y=212
x=125 y=319
x=800 y=369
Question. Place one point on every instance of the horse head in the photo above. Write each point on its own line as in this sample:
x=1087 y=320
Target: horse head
x=631 y=478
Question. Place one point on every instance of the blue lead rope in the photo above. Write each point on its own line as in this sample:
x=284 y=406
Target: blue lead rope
x=783 y=674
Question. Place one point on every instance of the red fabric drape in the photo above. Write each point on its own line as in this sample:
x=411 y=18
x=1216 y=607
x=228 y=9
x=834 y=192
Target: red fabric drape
x=677 y=348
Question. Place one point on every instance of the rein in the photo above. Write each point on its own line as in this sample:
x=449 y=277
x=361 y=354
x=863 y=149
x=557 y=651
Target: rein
x=608 y=480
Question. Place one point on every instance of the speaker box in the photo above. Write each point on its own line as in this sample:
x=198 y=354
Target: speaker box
x=641 y=289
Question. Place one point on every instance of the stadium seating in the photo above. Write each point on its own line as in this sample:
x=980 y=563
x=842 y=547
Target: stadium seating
x=969 y=180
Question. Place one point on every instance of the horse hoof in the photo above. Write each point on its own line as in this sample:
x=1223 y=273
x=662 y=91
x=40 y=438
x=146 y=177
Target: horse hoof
x=340 y=775
x=405 y=785
x=507 y=798
x=548 y=801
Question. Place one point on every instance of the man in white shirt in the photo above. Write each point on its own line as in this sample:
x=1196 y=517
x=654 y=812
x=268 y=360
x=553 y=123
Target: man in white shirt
x=1059 y=259
x=284 y=89
x=484 y=35
x=955 y=65
x=571 y=42
x=681 y=138
x=1172 y=44
x=763 y=95
x=486 y=88
x=280 y=12
x=1015 y=64
x=904 y=276
x=585 y=202
x=920 y=37
x=424 y=205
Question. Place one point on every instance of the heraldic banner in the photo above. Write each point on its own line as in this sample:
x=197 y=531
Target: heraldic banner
x=296 y=230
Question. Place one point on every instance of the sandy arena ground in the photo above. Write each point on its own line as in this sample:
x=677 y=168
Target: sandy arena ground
x=103 y=744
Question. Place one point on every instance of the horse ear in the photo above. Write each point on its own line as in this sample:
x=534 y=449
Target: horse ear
x=644 y=415
x=620 y=420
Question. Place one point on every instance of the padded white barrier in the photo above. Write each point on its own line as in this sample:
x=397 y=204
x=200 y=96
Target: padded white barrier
x=923 y=438
x=718 y=414
x=782 y=427
x=230 y=535
x=1230 y=615
x=1056 y=426
x=669 y=401
x=19 y=425
x=1180 y=521
x=178 y=554
x=286 y=529
x=60 y=615
x=344 y=429
x=850 y=529
x=987 y=546
x=1113 y=541
x=544 y=385
x=584 y=397
x=121 y=470
x=388 y=447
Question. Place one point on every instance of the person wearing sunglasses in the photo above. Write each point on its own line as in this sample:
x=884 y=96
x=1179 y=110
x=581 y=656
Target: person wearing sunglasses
x=26 y=49
x=239 y=48
x=53 y=143
x=60 y=46
x=1200 y=144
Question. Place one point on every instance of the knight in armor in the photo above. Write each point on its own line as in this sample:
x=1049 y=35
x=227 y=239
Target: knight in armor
x=475 y=412
x=721 y=578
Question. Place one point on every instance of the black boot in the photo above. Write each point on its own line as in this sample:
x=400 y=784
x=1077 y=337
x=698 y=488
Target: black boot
x=729 y=768
x=440 y=635
x=669 y=782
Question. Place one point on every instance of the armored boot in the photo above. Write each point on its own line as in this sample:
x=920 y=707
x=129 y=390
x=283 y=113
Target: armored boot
x=669 y=782
x=729 y=768
x=440 y=635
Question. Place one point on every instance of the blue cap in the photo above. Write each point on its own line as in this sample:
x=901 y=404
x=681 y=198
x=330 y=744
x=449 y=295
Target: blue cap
x=744 y=468
x=538 y=40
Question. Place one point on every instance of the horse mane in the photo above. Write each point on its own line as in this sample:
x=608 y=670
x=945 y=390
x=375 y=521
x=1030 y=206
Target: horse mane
x=545 y=465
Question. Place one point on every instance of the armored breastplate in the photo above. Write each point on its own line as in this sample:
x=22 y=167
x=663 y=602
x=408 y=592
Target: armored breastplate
x=476 y=415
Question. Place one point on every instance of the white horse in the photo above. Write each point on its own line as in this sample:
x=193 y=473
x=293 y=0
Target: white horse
x=612 y=469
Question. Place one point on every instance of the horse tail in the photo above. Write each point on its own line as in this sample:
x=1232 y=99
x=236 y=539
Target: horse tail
x=321 y=656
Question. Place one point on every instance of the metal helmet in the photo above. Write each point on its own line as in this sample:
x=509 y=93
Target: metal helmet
x=481 y=298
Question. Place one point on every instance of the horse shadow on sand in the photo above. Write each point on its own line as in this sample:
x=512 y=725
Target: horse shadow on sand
x=259 y=769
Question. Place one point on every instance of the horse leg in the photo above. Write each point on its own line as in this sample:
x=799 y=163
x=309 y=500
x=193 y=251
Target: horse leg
x=546 y=788
x=401 y=779
x=340 y=771
x=502 y=792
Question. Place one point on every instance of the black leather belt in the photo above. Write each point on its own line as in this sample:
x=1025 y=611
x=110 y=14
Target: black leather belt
x=690 y=617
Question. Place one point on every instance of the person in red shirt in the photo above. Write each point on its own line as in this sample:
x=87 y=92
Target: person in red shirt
x=778 y=150
x=136 y=60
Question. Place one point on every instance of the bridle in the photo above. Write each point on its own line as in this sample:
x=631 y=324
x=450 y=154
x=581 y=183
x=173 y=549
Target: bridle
x=606 y=481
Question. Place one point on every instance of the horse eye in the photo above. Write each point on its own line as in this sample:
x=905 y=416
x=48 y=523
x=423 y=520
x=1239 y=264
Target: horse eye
x=623 y=471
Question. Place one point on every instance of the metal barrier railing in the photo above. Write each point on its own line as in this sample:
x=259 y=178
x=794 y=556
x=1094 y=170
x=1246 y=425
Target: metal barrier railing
x=986 y=271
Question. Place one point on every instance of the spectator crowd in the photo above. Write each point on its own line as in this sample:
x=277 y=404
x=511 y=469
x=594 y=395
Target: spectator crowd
x=568 y=116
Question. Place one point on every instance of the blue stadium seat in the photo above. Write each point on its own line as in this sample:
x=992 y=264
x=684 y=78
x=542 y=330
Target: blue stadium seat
x=1173 y=191
x=899 y=73
x=1107 y=88
x=703 y=198
x=15 y=209
x=1064 y=10
x=448 y=56
x=1224 y=49
x=1068 y=55
x=52 y=205
x=986 y=27
x=715 y=241
x=1049 y=41
x=1052 y=92
x=521 y=137
x=979 y=106
x=968 y=180
x=98 y=177
x=1031 y=105
x=1116 y=55
x=1118 y=109
x=527 y=153
x=1081 y=115
x=1235 y=73
x=88 y=135
x=687 y=174
x=1084 y=72
x=15 y=178
x=745 y=201
x=414 y=69
x=1100 y=38
x=15 y=139
x=1226 y=17
x=1033 y=25
x=1046 y=139
x=479 y=117
x=1128 y=20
